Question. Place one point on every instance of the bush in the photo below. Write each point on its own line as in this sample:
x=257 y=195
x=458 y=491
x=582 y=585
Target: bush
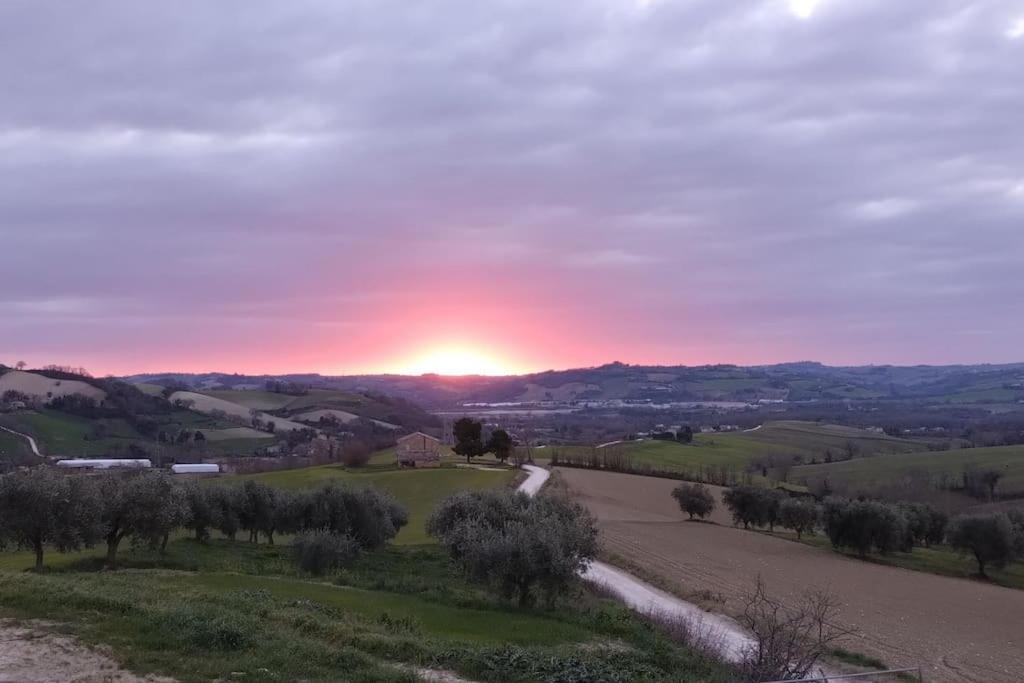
x=520 y=545
x=321 y=552
x=799 y=514
x=694 y=499
x=864 y=525
x=355 y=454
x=989 y=537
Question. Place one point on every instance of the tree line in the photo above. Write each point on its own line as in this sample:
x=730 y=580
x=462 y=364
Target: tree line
x=993 y=539
x=41 y=508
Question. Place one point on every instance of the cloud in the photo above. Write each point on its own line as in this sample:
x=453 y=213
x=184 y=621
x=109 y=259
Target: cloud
x=702 y=162
x=608 y=258
x=885 y=209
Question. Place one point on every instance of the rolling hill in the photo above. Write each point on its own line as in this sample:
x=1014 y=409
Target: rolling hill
x=805 y=381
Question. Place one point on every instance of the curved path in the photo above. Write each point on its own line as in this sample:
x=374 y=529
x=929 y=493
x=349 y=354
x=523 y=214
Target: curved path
x=647 y=599
x=31 y=441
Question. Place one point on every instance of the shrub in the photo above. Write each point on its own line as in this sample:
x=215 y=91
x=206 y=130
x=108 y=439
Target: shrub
x=989 y=537
x=521 y=545
x=800 y=515
x=694 y=499
x=788 y=639
x=321 y=552
x=355 y=454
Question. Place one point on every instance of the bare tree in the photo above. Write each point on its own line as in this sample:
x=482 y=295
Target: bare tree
x=788 y=640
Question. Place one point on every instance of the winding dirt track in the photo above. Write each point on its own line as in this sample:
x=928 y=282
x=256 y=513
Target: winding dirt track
x=957 y=630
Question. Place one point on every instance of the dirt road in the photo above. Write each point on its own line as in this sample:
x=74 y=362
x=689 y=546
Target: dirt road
x=958 y=630
x=31 y=441
x=33 y=652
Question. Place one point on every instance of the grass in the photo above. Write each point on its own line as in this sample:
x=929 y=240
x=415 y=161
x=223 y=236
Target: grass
x=783 y=439
x=420 y=490
x=65 y=435
x=62 y=434
x=241 y=610
x=12 y=447
x=868 y=473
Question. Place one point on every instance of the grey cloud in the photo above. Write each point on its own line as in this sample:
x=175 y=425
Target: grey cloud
x=836 y=170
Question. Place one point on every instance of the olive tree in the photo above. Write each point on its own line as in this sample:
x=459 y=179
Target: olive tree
x=40 y=507
x=257 y=512
x=201 y=511
x=799 y=514
x=694 y=499
x=145 y=506
x=753 y=505
x=226 y=504
x=523 y=546
x=989 y=537
x=864 y=525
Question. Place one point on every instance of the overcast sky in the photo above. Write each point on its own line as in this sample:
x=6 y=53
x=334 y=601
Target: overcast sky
x=341 y=186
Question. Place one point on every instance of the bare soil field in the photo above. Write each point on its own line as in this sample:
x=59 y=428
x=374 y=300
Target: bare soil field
x=957 y=630
x=30 y=652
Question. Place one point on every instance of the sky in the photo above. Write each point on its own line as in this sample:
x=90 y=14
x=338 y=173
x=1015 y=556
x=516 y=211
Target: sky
x=382 y=185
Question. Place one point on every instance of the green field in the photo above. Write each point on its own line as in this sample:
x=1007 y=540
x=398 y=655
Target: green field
x=58 y=433
x=64 y=435
x=868 y=473
x=12 y=447
x=232 y=610
x=420 y=490
x=784 y=439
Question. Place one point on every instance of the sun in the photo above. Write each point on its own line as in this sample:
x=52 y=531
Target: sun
x=455 y=361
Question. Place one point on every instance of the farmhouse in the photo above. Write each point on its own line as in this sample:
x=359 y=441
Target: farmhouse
x=418 y=450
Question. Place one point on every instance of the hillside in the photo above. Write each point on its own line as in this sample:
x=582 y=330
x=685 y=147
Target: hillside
x=956 y=384
x=929 y=468
x=78 y=416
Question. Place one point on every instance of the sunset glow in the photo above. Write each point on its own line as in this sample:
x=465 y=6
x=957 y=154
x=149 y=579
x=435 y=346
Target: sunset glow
x=456 y=361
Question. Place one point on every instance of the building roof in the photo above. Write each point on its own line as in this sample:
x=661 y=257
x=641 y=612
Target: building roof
x=418 y=434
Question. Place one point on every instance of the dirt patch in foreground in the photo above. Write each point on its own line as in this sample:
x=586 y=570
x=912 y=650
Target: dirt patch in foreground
x=31 y=652
x=956 y=629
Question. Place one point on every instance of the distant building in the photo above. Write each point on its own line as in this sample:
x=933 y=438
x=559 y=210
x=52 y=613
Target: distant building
x=195 y=468
x=104 y=463
x=418 y=450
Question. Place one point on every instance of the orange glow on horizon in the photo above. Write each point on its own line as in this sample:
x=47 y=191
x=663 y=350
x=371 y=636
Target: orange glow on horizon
x=456 y=361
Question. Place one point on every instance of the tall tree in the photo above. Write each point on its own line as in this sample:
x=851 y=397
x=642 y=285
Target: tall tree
x=41 y=507
x=500 y=444
x=468 y=438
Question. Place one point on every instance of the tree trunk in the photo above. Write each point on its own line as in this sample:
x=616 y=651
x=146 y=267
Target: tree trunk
x=39 y=555
x=112 y=543
x=981 y=564
x=163 y=543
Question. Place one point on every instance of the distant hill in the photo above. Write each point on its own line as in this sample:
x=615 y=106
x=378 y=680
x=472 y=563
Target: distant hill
x=805 y=381
x=72 y=415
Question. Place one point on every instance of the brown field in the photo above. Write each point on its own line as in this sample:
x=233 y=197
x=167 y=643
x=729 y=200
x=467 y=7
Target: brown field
x=956 y=629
